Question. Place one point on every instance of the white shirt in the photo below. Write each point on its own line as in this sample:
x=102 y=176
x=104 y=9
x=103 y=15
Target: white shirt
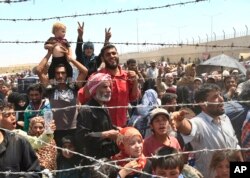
x=206 y=133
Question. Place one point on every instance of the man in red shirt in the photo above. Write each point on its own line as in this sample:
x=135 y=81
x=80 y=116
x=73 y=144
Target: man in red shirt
x=124 y=86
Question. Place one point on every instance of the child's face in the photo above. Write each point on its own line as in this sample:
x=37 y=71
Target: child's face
x=37 y=129
x=160 y=124
x=5 y=89
x=8 y=119
x=66 y=153
x=133 y=147
x=222 y=170
x=169 y=173
x=60 y=33
x=197 y=84
x=88 y=52
x=21 y=103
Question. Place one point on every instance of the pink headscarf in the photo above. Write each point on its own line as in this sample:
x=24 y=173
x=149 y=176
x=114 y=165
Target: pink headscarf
x=95 y=80
x=123 y=137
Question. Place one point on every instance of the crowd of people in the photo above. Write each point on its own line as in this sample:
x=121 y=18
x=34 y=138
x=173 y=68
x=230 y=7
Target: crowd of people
x=122 y=122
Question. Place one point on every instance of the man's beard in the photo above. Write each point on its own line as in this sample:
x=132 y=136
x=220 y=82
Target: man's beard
x=103 y=97
x=37 y=102
x=216 y=112
x=60 y=81
x=112 y=66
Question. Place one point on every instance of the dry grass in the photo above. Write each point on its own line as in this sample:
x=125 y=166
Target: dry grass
x=16 y=69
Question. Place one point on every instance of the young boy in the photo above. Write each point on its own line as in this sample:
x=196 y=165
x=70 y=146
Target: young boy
x=168 y=165
x=159 y=124
x=17 y=154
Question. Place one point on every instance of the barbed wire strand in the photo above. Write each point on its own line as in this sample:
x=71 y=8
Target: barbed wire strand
x=78 y=167
x=104 y=13
x=162 y=44
x=13 y=1
x=111 y=162
x=139 y=44
x=140 y=106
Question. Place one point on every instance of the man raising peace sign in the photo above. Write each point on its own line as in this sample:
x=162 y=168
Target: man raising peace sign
x=86 y=54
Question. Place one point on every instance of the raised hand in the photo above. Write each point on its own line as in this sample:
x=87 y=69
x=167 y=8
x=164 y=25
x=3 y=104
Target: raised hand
x=64 y=50
x=52 y=125
x=107 y=34
x=177 y=118
x=132 y=76
x=128 y=168
x=111 y=134
x=232 y=91
x=49 y=46
x=80 y=29
x=160 y=70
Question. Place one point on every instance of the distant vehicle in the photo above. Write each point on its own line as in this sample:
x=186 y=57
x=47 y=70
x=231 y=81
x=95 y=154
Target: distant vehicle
x=24 y=83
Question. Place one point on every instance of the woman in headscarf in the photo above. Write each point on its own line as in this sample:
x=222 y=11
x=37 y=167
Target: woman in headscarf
x=130 y=143
x=20 y=102
x=140 y=116
x=188 y=76
x=47 y=154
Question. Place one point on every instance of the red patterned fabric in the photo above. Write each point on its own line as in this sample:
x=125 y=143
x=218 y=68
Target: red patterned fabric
x=95 y=80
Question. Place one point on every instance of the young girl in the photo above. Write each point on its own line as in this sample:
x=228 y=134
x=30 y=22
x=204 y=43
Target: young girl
x=220 y=163
x=60 y=47
x=130 y=143
x=47 y=154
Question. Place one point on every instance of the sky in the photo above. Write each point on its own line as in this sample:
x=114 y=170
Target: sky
x=186 y=23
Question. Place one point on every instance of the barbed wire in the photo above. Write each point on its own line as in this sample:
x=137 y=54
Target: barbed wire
x=111 y=163
x=140 y=44
x=104 y=13
x=70 y=169
x=13 y=1
x=140 y=106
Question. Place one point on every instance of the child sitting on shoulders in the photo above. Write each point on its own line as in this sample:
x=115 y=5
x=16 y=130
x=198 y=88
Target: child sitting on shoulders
x=60 y=47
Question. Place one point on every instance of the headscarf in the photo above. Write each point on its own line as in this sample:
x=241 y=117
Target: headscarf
x=48 y=153
x=189 y=70
x=149 y=101
x=95 y=80
x=33 y=121
x=124 y=136
x=88 y=45
x=149 y=98
x=15 y=98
